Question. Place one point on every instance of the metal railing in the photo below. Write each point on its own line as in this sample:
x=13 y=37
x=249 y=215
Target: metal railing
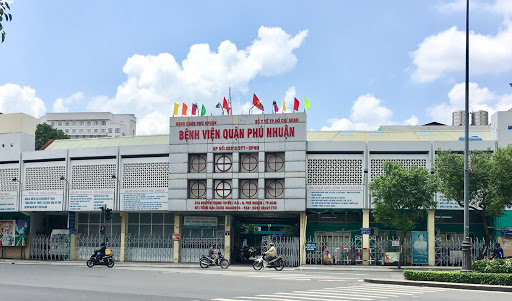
x=191 y=248
x=149 y=248
x=44 y=247
x=85 y=245
x=287 y=247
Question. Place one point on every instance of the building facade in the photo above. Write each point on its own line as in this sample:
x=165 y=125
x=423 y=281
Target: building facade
x=234 y=181
x=92 y=125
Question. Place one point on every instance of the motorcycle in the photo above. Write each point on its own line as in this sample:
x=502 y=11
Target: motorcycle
x=206 y=261
x=107 y=260
x=277 y=263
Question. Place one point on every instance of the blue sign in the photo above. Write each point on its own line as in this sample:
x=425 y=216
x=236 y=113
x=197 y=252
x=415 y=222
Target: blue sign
x=72 y=221
x=311 y=246
x=366 y=231
x=510 y=127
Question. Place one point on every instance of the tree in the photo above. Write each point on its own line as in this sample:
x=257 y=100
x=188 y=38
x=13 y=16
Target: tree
x=45 y=132
x=401 y=196
x=4 y=15
x=490 y=183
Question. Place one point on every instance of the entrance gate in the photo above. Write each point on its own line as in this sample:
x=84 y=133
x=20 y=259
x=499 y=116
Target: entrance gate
x=288 y=247
x=191 y=248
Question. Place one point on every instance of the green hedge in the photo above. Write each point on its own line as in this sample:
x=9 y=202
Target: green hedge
x=458 y=277
x=492 y=266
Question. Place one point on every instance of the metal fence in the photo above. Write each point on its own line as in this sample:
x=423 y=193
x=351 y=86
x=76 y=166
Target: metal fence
x=149 y=248
x=288 y=247
x=86 y=244
x=449 y=251
x=45 y=247
x=191 y=248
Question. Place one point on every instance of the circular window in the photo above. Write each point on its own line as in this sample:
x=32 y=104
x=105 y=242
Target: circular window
x=249 y=163
x=223 y=163
x=249 y=189
x=223 y=189
x=275 y=162
x=275 y=189
x=197 y=164
x=197 y=190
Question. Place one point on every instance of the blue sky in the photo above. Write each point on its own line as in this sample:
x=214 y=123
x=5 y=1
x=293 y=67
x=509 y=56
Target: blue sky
x=361 y=63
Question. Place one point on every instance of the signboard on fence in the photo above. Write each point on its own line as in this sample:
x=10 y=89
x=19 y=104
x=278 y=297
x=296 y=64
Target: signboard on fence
x=420 y=247
x=366 y=231
x=311 y=246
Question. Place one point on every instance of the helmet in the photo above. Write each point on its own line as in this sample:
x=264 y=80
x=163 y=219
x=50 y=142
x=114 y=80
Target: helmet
x=271 y=243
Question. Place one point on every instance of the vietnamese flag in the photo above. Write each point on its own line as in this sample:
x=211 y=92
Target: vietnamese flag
x=225 y=105
x=184 y=109
x=276 y=108
x=295 y=105
x=257 y=103
x=194 y=109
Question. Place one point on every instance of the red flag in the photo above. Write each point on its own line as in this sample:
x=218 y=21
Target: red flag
x=276 y=108
x=257 y=103
x=295 y=105
x=225 y=105
x=184 y=109
x=194 y=109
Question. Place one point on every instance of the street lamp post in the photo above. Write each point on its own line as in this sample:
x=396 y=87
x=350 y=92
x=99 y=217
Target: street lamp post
x=66 y=192
x=466 y=244
x=17 y=190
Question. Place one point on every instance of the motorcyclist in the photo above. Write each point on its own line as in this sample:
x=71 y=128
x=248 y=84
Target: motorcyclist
x=498 y=252
x=271 y=253
x=100 y=252
x=213 y=253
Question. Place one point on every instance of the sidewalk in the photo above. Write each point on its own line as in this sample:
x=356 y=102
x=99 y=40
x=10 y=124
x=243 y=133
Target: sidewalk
x=465 y=286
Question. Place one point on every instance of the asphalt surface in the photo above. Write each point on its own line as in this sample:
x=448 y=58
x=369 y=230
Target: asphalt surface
x=40 y=281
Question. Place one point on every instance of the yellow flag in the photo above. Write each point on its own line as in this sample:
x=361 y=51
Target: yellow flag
x=284 y=106
x=176 y=107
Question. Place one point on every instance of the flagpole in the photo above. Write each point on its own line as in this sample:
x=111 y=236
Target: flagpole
x=230 y=99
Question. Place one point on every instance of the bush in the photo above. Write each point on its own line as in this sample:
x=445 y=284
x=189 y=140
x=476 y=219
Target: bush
x=492 y=266
x=458 y=277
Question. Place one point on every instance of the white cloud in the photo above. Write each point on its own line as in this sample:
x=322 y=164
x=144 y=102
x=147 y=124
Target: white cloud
x=15 y=99
x=62 y=104
x=367 y=114
x=501 y=7
x=445 y=52
x=479 y=99
x=154 y=82
x=412 y=121
x=153 y=123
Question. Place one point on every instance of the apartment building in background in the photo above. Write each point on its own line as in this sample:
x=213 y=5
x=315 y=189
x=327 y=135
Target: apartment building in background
x=92 y=124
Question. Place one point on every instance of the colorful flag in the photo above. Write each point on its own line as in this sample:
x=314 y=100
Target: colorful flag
x=194 y=109
x=225 y=105
x=184 y=109
x=257 y=103
x=203 y=110
x=296 y=104
x=276 y=108
x=176 y=108
x=284 y=106
x=307 y=105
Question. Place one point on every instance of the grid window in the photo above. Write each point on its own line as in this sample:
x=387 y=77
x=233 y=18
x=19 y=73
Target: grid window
x=274 y=188
x=248 y=189
x=146 y=174
x=44 y=178
x=197 y=163
x=223 y=163
x=66 y=123
x=6 y=176
x=59 y=123
x=93 y=176
x=197 y=189
x=274 y=162
x=377 y=165
x=110 y=130
x=150 y=224
x=335 y=172
x=88 y=123
x=222 y=189
x=118 y=130
x=249 y=162
x=90 y=223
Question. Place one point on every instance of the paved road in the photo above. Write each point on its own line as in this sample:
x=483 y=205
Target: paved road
x=77 y=282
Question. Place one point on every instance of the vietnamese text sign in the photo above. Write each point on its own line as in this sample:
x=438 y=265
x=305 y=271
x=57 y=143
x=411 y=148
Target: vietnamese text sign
x=366 y=231
x=89 y=200
x=335 y=196
x=420 y=247
x=41 y=200
x=144 y=199
x=203 y=222
x=8 y=200
x=235 y=205
x=311 y=246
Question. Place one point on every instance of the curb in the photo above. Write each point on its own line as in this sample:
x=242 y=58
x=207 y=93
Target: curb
x=466 y=286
